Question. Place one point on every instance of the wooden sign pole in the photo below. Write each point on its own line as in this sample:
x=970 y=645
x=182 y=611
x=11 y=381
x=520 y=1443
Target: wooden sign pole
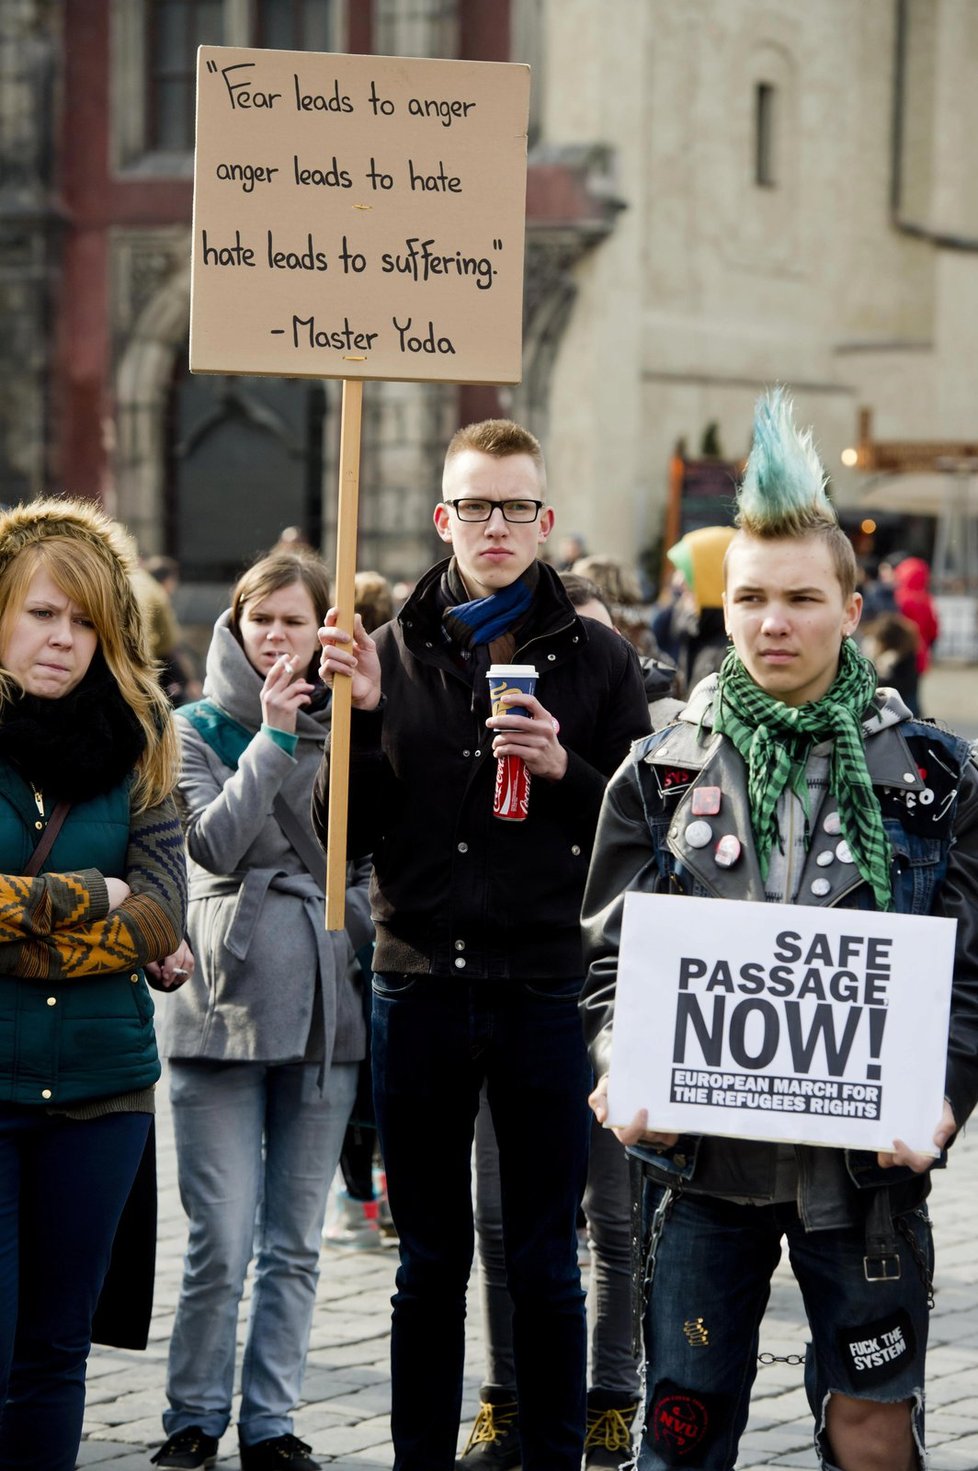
x=346 y=566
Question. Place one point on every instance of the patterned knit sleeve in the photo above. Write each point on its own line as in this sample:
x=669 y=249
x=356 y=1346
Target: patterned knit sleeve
x=51 y=901
x=147 y=926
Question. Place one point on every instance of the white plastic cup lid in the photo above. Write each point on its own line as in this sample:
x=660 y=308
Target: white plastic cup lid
x=512 y=671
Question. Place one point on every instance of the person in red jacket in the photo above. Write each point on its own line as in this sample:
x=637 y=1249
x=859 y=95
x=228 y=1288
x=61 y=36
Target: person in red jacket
x=911 y=582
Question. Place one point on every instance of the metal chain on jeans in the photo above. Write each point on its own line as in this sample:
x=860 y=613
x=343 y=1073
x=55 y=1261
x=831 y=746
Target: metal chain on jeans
x=923 y=1266
x=663 y=1211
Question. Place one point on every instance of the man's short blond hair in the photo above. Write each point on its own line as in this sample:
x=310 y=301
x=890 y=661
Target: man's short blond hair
x=499 y=438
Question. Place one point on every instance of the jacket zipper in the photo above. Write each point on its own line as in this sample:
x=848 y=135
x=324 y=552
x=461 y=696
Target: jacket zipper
x=39 y=801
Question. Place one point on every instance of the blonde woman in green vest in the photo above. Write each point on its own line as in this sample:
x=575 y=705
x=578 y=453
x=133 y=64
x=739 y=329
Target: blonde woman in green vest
x=92 y=893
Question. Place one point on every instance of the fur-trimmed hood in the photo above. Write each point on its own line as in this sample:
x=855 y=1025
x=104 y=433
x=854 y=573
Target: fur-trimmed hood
x=33 y=522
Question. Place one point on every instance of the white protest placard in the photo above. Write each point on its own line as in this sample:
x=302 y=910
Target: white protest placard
x=358 y=216
x=781 y=1021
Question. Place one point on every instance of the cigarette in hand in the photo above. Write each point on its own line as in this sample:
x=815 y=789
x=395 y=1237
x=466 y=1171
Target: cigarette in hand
x=180 y=970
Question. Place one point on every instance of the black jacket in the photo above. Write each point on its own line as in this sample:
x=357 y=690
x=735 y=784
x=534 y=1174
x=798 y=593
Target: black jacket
x=455 y=890
x=642 y=846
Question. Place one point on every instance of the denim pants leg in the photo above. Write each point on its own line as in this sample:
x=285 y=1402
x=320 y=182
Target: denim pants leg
x=709 y=1290
x=225 y=1117
x=608 y=1210
x=538 y=1078
x=303 y=1140
x=869 y=1338
x=218 y=1123
x=497 y=1305
x=434 y=1042
x=63 y=1185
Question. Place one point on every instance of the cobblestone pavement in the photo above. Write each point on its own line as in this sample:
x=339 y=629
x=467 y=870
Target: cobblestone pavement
x=344 y=1413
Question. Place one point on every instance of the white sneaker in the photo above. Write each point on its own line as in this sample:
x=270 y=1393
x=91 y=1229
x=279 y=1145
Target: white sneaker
x=352 y=1224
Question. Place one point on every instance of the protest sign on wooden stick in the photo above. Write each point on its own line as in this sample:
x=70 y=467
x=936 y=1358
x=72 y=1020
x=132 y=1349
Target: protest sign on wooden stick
x=357 y=217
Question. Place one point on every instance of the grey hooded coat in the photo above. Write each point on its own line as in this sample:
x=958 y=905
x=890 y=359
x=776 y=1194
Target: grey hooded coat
x=271 y=983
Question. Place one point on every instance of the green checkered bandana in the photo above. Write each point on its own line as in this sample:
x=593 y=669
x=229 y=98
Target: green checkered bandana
x=774 y=739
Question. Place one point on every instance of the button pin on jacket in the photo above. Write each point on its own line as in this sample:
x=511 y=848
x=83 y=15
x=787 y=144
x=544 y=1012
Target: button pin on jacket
x=843 y=852
x=698 y=834
x=824 y=858
x=728 y=851
x=820 y=887
x=705 y=801
x=832 y=825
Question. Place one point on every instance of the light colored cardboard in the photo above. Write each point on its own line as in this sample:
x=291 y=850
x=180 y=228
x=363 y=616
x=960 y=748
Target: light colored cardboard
x=358 y=216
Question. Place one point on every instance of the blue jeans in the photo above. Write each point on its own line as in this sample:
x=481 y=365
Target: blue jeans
x=63 y=1184
x=710 y=1284
x=435 y=1041
x=253 y=1140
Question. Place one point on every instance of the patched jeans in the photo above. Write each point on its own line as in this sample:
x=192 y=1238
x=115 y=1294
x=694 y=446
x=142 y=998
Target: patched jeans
x=710 y=1282
x=435 y=1041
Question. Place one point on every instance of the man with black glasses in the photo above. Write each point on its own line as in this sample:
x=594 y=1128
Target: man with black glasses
x=478 y=960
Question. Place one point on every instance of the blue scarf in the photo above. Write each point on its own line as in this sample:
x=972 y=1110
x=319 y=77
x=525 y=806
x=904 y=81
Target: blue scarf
x=484 y=619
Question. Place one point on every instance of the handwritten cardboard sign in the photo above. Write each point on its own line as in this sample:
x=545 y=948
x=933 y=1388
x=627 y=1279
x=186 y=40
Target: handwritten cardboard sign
x=358 y=216
x=781 y=1021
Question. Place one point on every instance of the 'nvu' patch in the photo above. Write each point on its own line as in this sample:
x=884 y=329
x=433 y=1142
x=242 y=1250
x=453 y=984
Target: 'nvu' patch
x=681 y=1423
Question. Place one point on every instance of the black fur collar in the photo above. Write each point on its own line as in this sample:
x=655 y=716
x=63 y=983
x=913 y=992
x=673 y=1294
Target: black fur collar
x=78 y=746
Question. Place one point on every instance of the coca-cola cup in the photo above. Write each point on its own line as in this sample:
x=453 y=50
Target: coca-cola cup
x=511 y=799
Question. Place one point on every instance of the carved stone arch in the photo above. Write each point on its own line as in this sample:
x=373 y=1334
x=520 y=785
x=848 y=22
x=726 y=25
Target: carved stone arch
x=144 y=375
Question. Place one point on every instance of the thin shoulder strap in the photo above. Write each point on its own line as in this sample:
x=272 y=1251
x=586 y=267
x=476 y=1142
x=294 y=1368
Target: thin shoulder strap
x=51 y=831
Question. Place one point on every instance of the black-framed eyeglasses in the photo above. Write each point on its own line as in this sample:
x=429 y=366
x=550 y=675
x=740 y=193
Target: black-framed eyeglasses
x=467 y=508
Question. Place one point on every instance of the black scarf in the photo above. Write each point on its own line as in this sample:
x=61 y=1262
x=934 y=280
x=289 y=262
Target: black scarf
x=75 y=747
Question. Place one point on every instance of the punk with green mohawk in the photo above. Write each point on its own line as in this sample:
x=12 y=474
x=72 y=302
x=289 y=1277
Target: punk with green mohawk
x=794 y=679
x=789 y=777
x=783 y=489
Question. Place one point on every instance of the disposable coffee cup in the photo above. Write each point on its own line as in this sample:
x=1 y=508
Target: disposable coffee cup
x=511 y=797
x=505 y=679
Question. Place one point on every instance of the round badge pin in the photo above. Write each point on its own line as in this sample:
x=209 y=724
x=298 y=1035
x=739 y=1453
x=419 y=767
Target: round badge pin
x=843 y=852
x=820 y=887
x=832 y=825
x=824 y=858
x=698 y=834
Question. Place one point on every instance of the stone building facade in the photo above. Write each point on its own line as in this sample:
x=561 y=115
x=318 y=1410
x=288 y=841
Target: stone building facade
x=722 y=194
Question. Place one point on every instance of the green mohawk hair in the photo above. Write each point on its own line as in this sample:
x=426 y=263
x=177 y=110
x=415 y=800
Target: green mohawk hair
x=783 y=490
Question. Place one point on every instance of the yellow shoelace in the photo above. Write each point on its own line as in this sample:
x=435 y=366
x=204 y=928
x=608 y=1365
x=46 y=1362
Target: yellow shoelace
x=491 y=1424
x=610 y=1430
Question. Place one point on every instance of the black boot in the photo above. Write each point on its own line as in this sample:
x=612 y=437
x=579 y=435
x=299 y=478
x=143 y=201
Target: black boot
x=608 y=1439
x=494 y=1444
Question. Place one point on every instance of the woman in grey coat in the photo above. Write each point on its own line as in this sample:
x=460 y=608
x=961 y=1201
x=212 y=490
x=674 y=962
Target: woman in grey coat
x=263 y=1042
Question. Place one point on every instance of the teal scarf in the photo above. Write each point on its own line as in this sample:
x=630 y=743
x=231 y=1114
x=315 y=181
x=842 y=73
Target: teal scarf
x=775 y=739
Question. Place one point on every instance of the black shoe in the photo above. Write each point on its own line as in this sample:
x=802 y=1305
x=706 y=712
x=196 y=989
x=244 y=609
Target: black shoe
x=608 y=1438
x=494 y=1444
x=282 y=1451
x=187 y=1449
